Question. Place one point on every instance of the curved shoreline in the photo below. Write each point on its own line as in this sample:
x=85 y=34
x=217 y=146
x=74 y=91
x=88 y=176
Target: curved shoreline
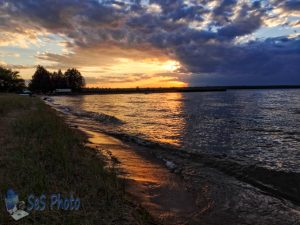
x=40 y=156
x=279 y=184
x=162 y=193
x=220 y=196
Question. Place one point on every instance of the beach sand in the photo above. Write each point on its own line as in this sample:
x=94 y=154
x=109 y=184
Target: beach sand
x=162 y=193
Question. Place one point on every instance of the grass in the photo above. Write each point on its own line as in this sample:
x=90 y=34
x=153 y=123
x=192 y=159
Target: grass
x=40 y=154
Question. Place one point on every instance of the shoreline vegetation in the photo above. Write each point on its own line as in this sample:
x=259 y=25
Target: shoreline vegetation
x=43 y=81
x=41 y=154
x=86 y=91
x=71 y=82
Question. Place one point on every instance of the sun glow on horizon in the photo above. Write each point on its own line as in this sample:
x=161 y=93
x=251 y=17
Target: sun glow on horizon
x=129 y=73
x=171 y=65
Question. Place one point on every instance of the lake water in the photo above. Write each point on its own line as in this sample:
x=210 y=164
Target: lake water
x=238 y=151
x=258 y=126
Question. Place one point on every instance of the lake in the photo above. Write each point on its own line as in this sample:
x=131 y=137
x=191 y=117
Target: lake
x=258 y=126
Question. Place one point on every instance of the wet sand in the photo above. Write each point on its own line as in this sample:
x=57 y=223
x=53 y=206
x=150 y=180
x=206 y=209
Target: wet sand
x=161 y=192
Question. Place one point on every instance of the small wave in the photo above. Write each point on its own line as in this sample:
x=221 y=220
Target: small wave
x=280 y=184
x=132 y=139
x=64 y=109
x=137 y=102
x=266 y=130
x=47 y=99
x=100 y=117
x=296 y=111
x=61 y=108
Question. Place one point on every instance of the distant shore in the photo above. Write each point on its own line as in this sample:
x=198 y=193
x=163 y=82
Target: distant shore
x=90 y=91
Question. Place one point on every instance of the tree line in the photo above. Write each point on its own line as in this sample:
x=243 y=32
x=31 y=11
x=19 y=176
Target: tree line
x=42 y=80
x=10 y=81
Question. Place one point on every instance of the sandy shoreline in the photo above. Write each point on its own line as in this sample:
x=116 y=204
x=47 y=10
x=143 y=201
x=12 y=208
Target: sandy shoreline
x=162 y=193
x=41 y=156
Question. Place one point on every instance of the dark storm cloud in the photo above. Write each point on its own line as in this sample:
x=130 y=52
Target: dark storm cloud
x=59 y=14
x=201 y=35
x=223 y=11
x=274 y=61
x=292 y=5
x=241 y=27
x=184 y=37
x=188 y=13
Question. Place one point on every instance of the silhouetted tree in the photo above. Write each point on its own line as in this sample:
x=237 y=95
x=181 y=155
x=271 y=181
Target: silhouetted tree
x=74 y=79
x=41 y=81
x=58 y=80
x=10 y=80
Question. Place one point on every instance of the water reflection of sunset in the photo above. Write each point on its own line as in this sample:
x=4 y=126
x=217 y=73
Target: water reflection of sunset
x=156 y=117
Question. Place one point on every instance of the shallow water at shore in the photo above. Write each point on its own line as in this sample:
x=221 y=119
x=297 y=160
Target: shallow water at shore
x=195 y=190
x=238 y=152
x=260 y=127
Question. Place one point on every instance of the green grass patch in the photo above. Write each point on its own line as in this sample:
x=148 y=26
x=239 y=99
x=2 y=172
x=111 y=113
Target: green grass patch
x=10 y=102
x=40 y=154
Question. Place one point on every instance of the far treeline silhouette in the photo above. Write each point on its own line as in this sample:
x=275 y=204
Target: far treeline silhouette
x=10 y=81
x=44 y=81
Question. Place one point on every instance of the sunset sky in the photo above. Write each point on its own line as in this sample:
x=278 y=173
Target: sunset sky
x=155 y=43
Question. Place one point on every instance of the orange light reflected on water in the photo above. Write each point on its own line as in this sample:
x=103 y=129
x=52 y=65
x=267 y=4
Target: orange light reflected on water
x=143 y=114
